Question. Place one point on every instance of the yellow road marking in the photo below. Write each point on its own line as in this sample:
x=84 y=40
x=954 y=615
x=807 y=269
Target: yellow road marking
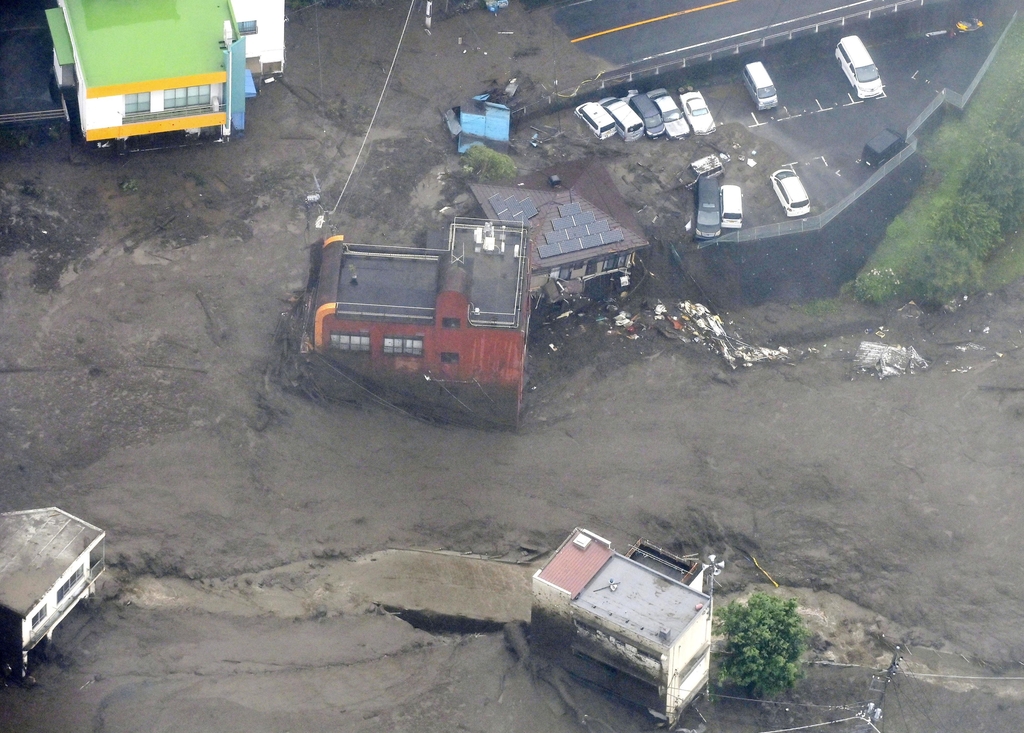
x=653 y=20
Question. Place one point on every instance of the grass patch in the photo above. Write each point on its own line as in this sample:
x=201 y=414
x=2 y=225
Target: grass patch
x=822 y=307
x=960 y=233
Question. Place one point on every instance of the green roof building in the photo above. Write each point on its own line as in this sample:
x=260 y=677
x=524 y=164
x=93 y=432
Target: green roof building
x=140 y=67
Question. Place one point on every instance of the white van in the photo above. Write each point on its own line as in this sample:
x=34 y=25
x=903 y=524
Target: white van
x=858 y=67
x=627 y=122
x=760 y=86
x=732 y=206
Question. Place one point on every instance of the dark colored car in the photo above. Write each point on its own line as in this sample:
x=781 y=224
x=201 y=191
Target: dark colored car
x=709 y=215
x=881 y=147
x=649 y=113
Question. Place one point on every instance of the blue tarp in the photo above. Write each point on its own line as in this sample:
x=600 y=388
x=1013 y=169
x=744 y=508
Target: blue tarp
x=250 y=85
x=483 y=121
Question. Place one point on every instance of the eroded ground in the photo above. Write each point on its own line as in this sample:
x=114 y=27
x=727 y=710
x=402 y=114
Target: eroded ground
x=138 y=313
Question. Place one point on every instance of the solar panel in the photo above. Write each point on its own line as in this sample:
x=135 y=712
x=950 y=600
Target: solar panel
x=500 y=207
x=548 y=250
x=613 y=236
x=555 y=237
x=591 y=240
x=529 y=208
x=573 y=245
x=569 y=209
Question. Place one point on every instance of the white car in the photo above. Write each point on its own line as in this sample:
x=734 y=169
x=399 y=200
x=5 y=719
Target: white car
x=596 y=118
x=697 y=113
x=671 y=115
x=791 y=192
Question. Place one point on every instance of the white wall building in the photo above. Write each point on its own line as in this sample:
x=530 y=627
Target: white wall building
x=648 y=632
x=49 y=561
x=262 y=24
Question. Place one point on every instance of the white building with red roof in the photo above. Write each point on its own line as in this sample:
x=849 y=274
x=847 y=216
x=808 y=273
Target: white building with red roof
x=638 y=624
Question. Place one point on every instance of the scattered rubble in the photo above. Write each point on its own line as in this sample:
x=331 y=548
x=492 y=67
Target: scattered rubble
x=888 y=360
x=698 y=324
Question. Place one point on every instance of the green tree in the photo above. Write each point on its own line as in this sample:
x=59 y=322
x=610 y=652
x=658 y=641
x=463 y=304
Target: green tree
x=489 y=165
x=764 y=640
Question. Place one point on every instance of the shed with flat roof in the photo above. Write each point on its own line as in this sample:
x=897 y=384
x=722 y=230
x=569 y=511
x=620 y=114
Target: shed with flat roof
x=49 y=561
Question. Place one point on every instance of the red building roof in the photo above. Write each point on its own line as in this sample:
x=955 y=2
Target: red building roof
x=574 y=566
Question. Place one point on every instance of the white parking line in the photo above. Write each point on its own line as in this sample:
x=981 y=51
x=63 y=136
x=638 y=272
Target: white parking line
x=914 y=75
x=861 y=101
x=788 y=115
x=823 y=160
x=756 y=123
x=838 y=173
x=823 y=109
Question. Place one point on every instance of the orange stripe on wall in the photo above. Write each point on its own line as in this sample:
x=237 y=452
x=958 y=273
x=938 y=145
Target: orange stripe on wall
x=327 y=309
x=194 y=80
x=146 y=128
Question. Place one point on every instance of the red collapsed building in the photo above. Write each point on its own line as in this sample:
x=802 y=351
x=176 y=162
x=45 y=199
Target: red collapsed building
x=438 y=330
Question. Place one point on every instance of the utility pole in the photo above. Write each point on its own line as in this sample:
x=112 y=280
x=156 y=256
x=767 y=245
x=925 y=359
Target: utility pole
x=873 y=713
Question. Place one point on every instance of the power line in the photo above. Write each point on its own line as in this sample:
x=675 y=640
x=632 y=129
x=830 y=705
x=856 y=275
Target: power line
x=813 y=725
x=376 y=109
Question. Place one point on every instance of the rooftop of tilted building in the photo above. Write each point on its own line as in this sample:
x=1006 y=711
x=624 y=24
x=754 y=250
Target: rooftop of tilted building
x=36 y=547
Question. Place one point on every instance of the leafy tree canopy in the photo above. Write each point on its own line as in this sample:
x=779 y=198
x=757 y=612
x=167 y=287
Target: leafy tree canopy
x=765 y=639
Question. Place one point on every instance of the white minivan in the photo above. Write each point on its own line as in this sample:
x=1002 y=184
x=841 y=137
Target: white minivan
x=858 y=67
x=760 y=86
x=732 y=206
x=627 y=122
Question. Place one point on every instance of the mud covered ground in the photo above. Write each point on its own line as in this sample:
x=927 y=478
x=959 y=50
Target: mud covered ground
x=140 y=297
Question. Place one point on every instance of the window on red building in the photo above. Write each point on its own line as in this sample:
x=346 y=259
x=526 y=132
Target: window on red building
x=449 y=357
x=350 y=342
x=402 y=345
x=451 y=323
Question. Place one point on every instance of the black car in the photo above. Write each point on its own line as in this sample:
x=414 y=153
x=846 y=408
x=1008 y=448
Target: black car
x=709 y=215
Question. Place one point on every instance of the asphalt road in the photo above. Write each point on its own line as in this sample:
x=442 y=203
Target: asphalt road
x=636 y=30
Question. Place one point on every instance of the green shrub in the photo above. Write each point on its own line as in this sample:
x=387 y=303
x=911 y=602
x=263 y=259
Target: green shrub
x=971 y=224
x=764 y=642
x=876 y=285
x=488 y=165
x=942 y=270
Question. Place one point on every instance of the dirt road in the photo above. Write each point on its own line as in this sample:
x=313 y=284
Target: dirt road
x=136 y=325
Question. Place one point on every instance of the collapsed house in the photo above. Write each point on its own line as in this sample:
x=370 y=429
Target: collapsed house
x=49 y=561
x=582 y=234
x=439 y=330
x=638 y=625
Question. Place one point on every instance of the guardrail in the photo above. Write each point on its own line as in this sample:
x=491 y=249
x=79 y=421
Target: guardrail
x=22 y=118
x=708 y=51
x=813 y=223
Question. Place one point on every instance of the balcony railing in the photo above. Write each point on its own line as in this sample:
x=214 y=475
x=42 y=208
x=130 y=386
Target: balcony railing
x=170 y=114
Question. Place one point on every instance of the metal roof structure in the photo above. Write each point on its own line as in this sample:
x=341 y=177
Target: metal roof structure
x=130 y=42
x=485 y=260
x=646 y=602
x=36 y=547
x=388 y=282
x=583 y=218
x=576 y=562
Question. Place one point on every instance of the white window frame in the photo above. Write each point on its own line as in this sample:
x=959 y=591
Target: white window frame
x=350 y=342
x=403 y=345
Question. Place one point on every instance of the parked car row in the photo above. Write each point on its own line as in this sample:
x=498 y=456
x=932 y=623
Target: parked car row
x=720 y=206
x=654 y=113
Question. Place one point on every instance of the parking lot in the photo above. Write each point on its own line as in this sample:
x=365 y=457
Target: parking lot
x=820 y=126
